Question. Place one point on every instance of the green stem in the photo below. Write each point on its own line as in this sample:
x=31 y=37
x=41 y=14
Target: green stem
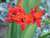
x=22 y=35
x=11 y=30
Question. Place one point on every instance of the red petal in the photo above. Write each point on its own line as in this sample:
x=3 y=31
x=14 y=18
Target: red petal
x=35 y=9
x=18 y=22
x=29 y=17
x=22 y=15
x=39 y=14
x=20 y=2
x=39 y=18
x=32 y=12
x=16 y=17
x=8 y=15
x=23 y=26
x=6 y=19
x=38 y=23
x=19 y=6
x=27 y=22
x=10 y=6
x=9 y=20
x=11 y=10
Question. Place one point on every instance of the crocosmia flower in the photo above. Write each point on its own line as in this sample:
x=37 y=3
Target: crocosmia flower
x=34 y=10
x=37 y=16
x=19 y=16
x=23 y=19
x=17 y=10
x=9 y=18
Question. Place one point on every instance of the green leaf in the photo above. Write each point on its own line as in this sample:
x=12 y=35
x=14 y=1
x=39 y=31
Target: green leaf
x=27 y=5
x=19 y=31
x=39 y=3
x=47 y=35
x=13 y=30
x=30 y=31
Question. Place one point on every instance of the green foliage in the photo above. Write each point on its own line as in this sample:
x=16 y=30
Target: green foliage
x=47 y=21
x=45 y=35
x=19 y=31
x=27 y=5
x=39 y=3
x=30 y=31
x=13 y=30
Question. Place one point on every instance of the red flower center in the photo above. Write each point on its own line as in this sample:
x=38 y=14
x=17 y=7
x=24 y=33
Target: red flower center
x=22 y=20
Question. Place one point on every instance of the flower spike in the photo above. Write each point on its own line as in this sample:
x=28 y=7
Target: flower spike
x=18 y=15
x=37 y=16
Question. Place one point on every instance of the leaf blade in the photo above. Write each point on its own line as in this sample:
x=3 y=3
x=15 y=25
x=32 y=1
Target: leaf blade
x=30 y=31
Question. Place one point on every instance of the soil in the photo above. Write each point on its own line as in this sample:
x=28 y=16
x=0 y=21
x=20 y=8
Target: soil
x=4 y=29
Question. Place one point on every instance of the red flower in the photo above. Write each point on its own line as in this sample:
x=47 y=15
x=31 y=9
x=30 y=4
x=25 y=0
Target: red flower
x=34 y=10
x=11 y=10
x=9 y=18
x=22 y=19
x=17 y=10
x=37 y=16
x=18 y=14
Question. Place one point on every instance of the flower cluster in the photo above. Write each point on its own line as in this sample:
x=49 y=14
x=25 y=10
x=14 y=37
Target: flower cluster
x=18 y=15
